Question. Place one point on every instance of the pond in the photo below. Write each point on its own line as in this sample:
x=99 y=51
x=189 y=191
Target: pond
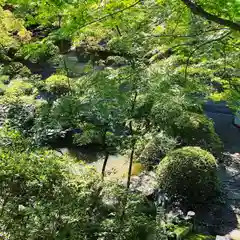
x=117 y=165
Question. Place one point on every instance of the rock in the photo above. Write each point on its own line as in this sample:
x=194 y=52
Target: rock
x=191 y=214
x=146 y=183
x=234 y=235
x=222 y=238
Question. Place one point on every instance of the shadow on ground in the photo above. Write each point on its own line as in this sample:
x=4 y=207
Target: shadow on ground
x=229 y=134
x=221 y=218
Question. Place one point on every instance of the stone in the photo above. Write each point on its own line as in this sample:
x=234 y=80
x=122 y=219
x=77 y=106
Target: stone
x=234 y=235
x=222 y=238
x=145 y=183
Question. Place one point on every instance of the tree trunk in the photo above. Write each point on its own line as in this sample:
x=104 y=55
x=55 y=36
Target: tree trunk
x=198 y=10
x=130 y=164
x=106 y=154
x=105 y=164
x=68 y=75
x=118 y=30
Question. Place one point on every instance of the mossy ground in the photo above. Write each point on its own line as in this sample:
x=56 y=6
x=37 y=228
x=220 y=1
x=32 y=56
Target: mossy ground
x=194 y=236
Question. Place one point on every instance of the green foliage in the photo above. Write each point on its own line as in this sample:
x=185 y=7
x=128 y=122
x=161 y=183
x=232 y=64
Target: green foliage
x=45 y=128
x=21 y=116
x=58 y=85
x=156 y=148
x=68 y=111
x=18 y=88
x=4 y=79
x=45 y=201
x=186 y=172
x=197 y=130
x=195 y=236
x=89 y=134
x=12 y=140
x=38 y=51
x=16 y=70
x=167 y=65
x=10 y=24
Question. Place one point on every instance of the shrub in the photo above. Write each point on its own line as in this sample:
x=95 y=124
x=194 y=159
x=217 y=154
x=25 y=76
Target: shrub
x=2 y=89
x=11 y=139
x=38 y=51
x=46 y=129
x=16 y=69
x=4 y=79
x=18 y=88
x=57 y=84
x=190 y=174
x=41 y=199
x=21 y=116
x=156 y=148
x=197 y=130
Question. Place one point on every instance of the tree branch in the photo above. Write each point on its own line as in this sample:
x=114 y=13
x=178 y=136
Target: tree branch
x=198 y=47
x=111 y=14
x=198 y=10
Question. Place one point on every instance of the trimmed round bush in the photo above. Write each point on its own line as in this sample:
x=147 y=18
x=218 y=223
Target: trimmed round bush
x=190 y=174
x=57 y=84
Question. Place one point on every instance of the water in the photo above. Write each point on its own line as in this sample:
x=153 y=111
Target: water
x=117 y=165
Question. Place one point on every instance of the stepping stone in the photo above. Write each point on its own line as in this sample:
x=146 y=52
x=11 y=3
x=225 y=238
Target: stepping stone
x=222 y=238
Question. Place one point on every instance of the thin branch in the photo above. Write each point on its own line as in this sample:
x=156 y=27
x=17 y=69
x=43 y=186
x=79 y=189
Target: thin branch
x=198 y=10
x=111 y=14
x=67 y=71
x=188 y=36
x=198 y=47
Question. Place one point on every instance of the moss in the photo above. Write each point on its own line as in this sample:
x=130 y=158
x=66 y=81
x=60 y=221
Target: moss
x=182 y=231
x=197 y=130
x=194 y=236
x=186 y=172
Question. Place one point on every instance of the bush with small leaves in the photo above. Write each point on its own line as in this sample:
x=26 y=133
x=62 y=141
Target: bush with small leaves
x=16 y=69
x=156 y=148
x=189 y=173
x=197 y=130
x=19 y=87
x=12 y=140
x=38 y=51
x=21 y=116
x=58 y=85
